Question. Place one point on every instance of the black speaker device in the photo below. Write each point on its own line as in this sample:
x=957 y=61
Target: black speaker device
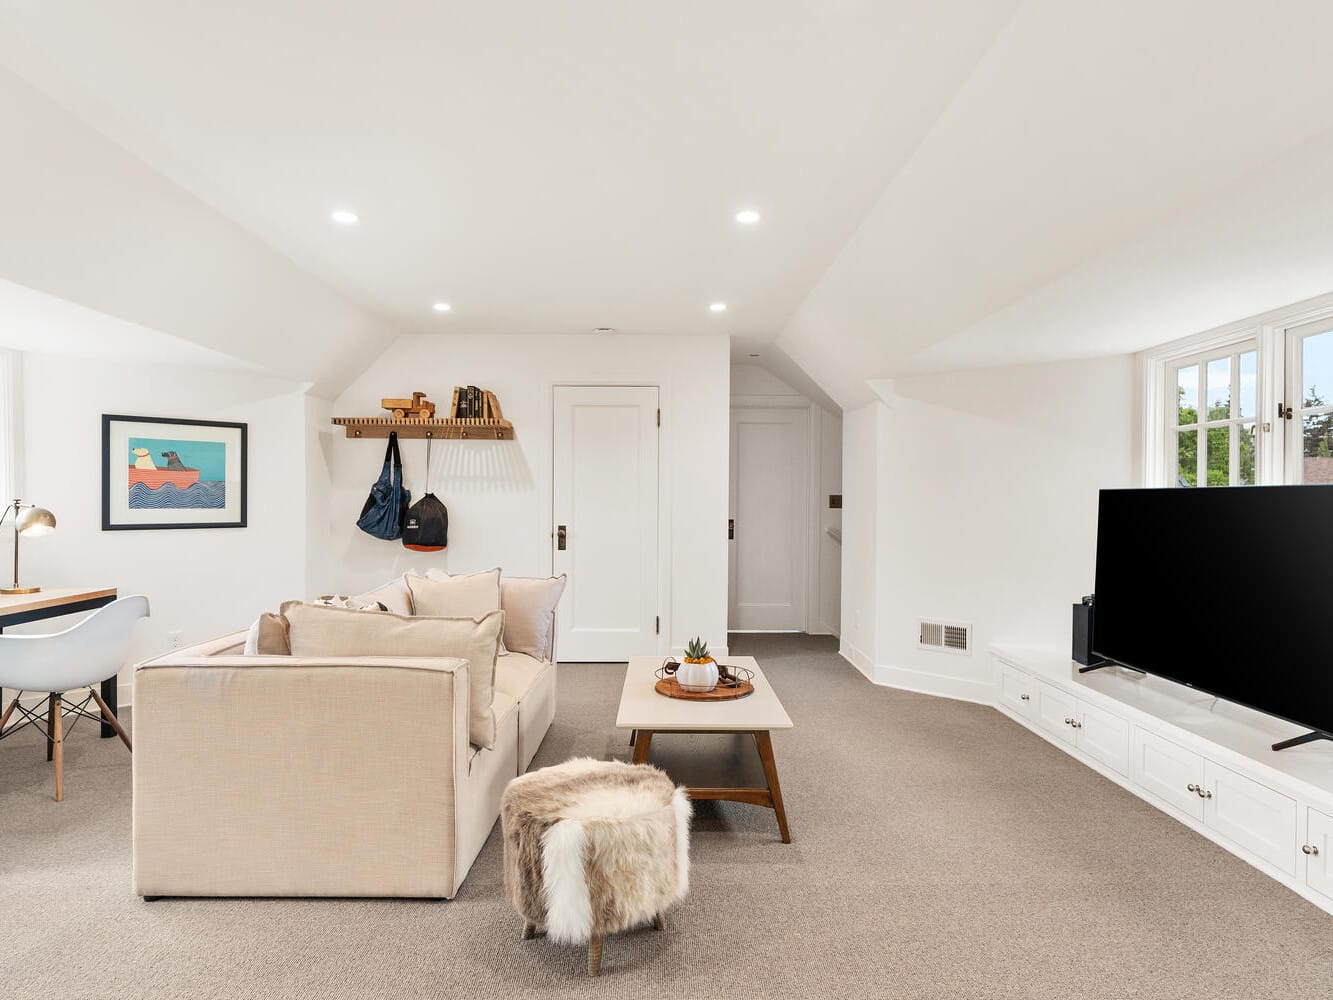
x=1083 y=634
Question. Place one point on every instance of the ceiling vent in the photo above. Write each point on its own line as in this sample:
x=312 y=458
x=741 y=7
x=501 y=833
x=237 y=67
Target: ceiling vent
x=946 y=637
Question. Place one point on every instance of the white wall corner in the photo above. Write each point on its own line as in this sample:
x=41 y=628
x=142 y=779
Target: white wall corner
x=884 y=389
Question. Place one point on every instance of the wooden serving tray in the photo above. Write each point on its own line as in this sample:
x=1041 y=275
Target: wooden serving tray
x=670 y=687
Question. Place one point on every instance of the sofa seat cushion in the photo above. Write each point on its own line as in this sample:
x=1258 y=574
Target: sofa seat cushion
x=515 y=674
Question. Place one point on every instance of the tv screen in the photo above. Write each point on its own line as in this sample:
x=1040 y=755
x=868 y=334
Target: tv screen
x=1225 y=589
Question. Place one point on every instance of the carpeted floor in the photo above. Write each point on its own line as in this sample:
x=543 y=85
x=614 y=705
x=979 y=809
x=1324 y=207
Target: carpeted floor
x=940 y=851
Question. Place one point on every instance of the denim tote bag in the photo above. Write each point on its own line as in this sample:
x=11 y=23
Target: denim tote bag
x=383 y=514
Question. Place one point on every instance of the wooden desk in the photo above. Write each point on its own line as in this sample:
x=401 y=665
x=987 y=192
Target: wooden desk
x=18 y=609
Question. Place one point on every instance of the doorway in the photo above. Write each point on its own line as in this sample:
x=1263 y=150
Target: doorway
x=769 y=528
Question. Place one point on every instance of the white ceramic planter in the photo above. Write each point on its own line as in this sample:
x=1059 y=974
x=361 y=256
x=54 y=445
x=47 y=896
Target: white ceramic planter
x=697 y=677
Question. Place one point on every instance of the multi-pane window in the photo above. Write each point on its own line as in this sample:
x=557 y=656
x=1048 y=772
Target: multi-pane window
x=1310 y=356
x=1216 y=418
x=1243 y=405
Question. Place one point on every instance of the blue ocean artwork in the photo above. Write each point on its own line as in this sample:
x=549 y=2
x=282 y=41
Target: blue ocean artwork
x=168 y=474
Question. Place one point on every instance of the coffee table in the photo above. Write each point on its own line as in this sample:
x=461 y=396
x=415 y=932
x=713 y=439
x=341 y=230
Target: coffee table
x=647 y=714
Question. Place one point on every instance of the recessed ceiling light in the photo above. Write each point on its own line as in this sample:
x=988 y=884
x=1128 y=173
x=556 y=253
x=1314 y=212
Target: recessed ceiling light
x=442 y=307
x=747 y=217
x=718 y=307
x=343 y=217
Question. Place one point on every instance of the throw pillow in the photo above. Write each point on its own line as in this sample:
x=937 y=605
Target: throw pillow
x=317 y=630
x=394 y=595
x=465 y=596
x=268 y=637
x=529 y=607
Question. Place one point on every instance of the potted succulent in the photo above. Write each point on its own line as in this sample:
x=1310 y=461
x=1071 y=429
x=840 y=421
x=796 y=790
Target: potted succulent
x=699 y=671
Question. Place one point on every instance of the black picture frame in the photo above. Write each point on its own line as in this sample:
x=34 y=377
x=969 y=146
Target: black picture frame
x=109 y=420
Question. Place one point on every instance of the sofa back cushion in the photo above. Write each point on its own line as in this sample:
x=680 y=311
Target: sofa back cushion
x=318 y=630
x=529 y=607
x=464 y=596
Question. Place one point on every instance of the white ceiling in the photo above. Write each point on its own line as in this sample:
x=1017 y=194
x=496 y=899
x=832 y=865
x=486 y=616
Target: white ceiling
x=545 y=168
x=943 y=184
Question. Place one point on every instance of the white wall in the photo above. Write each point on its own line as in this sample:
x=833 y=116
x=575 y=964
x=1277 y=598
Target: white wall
x=201 y=582
x=861 y=432
x=499 y=492
x=756 y=386
x=985 y=509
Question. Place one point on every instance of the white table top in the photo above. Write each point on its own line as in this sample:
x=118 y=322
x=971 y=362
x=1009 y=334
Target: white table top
x=641 y=707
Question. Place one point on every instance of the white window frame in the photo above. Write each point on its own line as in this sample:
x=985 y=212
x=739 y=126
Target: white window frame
x=1276 y=439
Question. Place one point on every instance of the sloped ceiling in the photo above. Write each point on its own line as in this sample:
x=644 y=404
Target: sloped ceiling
x=943 y=185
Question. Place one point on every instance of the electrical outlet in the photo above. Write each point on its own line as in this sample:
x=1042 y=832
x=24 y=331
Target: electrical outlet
x=174 y=639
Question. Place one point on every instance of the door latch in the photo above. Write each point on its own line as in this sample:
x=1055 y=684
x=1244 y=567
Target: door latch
x=1283 y=411
x=560 y=537
x=731 y=528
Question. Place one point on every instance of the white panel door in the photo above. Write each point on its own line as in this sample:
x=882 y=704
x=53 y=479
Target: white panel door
x=1055 y=712
x=1318 y=852
x=1103 y=737
x=1171 y=773
x=1016 y=690
x=770 y=518
x=1254 y=816
x=605 y=513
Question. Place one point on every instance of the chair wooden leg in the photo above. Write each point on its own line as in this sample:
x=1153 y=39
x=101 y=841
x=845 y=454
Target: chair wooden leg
x=529 y=931
x=112 y=721
x=9 y=711
x=595 y=955
x=659 y=922
x=57 y=725
x=50 y=725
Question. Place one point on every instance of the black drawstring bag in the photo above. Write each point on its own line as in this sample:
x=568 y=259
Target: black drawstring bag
x=426 y=527
x=386 y=506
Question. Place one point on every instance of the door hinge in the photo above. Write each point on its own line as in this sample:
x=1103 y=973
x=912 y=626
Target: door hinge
x=657 y=628
x=659 y=416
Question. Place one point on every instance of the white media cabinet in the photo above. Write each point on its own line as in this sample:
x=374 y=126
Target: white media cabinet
x=1202 y=760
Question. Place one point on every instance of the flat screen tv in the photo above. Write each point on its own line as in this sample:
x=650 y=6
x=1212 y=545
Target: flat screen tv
x=1225 y=589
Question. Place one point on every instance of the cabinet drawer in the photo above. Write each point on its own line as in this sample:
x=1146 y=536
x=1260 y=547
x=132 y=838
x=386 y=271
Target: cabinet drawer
x=1054 y=711
x=1167 y=771
x=1103 y=737
x=1253 y=815
x=1015 y=690
x=1319 y=842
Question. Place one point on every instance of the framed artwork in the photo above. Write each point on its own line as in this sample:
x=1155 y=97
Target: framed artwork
x=162 y=473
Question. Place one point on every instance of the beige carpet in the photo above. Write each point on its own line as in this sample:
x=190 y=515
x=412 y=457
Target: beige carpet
x=940 y=851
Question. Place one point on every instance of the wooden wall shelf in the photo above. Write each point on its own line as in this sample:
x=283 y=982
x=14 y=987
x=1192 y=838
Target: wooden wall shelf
x=456 y=429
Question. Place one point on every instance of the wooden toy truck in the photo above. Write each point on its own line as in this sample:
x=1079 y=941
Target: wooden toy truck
x=418 y=407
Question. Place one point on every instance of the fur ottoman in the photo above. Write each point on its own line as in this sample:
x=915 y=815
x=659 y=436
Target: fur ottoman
x=593 y=847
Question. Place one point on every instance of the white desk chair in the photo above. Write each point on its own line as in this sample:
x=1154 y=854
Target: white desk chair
x=79 y=657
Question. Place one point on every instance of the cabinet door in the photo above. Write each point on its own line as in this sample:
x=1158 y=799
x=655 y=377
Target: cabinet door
x=1167 y=771
x=1055 y=709
x=1253 y=815
x=1103 y=737
x=1319 y=842
x=1015 y=690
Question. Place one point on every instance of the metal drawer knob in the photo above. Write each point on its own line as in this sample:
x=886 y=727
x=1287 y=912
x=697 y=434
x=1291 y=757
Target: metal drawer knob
x=1076 y=724
x=1309 y=849
x=1191 y=787
x=1025 y=697
x=1069 y=722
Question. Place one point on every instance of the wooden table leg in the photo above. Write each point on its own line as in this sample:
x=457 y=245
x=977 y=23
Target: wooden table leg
x=111 y=699
x=764 y=742
x=57 y=726
x=595 y=955
x=643 y=740
x=50 y=726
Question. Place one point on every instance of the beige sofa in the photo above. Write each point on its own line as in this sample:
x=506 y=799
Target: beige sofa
x=293 y=776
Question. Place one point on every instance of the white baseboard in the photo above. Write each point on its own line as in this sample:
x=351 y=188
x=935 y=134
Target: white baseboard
x=919 y=681
x=858 y=659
